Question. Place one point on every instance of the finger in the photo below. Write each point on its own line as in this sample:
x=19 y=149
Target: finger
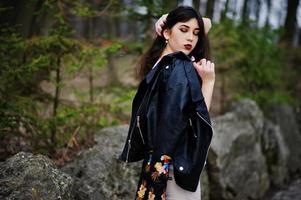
x=207 y=24
x=212 y=66
x=196 y=66
x=199 y=62
x=208 y=64
x=158 y=30
x=159 y=25
x=203 y=62
x=192 y=59
x=164 y=17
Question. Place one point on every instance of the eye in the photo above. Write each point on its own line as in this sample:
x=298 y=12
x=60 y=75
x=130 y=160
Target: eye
x=184 y=30
x=196 y=32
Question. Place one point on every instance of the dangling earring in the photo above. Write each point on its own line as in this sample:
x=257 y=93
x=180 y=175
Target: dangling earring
x=166 y=41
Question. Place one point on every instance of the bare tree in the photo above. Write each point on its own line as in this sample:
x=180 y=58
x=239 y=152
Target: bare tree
x=257 y=10
x=196 y=4
x=225 y=11
x=245 y=11
x=290 y=21
x=210 y=8
x=269 y=5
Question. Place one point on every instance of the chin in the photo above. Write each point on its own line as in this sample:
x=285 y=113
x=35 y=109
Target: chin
x=186 y=52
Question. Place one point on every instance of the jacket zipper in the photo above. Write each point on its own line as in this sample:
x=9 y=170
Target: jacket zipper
x=129 y=146
x=190 y=122
x=138 y=125
x=210 y=140
x=129 y=140
x=203 y=119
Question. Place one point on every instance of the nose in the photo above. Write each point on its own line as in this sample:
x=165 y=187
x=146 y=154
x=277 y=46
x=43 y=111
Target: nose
x=190 y=36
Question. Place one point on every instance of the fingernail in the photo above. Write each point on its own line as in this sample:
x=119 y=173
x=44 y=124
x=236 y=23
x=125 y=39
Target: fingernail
x=192 y=59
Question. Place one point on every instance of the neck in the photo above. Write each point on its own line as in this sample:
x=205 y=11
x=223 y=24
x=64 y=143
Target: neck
x=166 y=51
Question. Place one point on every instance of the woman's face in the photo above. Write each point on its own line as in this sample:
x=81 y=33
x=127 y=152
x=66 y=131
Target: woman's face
x=183 y=36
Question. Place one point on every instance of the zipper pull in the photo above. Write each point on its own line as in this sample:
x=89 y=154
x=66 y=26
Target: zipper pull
x=138 y=121
x=138 y=125
x=129 y=147
x=192 y=128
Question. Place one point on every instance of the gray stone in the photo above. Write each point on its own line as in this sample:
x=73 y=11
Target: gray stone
x=26 y=176
x=276 y=153
x=205 y=185
x=98 y=172
x=284 y=116
x=237 y=167
x=292 y=192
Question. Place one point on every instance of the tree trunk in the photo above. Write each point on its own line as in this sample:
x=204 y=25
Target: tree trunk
x=269 y=5
x=113 y=78
x=56 y=99
x=91 y=81
x=33 y=28
x=290 y=21
x=196 y=5
x=225 y=11
x=91 y=84
x=233 y=6
x=112 y=74
x=210 y=8
x=257 y=10
x=245 y=12
x=149 y=32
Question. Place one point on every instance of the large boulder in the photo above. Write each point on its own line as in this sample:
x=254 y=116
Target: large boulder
x=248 y=154
x=98 y=172
x=26 y=176
x=285 y=117
x=205 y=192
x=276 y=153
x=237 y=167
x=100 y=175
x=290 y=192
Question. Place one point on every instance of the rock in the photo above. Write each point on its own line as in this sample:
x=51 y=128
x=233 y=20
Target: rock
x=237 y=167
x=205 y=186
x=276 y=153
x=292 y=192
x=248 y=155
x=284 y=116
x=98 y=172
x=27 y=176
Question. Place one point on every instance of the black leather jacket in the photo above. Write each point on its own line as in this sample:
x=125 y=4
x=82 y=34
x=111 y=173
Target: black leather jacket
x=170 y=117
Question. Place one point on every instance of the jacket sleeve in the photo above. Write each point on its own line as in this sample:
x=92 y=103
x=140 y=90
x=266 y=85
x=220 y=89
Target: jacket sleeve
x=167 y=114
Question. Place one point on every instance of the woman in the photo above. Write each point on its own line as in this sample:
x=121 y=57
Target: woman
x=170 y=126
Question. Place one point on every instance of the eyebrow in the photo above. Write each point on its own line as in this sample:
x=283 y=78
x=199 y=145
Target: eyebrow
x=189 y=27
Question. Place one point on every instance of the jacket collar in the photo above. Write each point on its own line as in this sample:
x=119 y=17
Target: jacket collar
x=191 y=74
x=165 y=59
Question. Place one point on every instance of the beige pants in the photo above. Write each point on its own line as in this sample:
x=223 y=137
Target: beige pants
x=175 y=192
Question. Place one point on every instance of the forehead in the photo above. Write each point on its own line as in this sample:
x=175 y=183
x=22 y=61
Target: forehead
x=192 y=23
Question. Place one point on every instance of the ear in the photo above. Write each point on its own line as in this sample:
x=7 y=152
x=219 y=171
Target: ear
x=166 y=33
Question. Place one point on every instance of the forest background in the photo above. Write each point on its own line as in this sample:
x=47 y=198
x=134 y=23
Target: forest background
x=67 y=67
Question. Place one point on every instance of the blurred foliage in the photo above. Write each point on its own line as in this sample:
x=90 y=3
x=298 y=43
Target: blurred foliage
x=27 y=122
x=252 y=63
x=247 y=58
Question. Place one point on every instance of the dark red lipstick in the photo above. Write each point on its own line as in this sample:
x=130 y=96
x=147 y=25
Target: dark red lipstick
x=188 y=46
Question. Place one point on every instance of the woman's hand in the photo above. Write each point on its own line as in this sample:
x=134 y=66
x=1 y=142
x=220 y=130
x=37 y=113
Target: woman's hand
x=160 y=23
x=205 y=69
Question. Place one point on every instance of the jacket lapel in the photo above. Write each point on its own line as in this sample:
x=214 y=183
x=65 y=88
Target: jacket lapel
x=165 y=60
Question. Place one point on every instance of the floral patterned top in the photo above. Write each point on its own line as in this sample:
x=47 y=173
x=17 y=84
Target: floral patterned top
x=153 y=178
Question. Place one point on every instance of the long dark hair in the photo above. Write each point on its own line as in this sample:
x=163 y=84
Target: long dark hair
x=179 y=14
